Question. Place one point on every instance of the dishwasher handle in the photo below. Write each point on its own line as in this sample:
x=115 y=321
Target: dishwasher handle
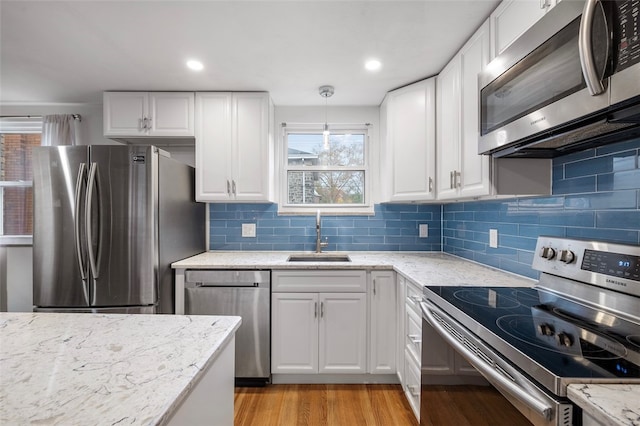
x=225 y=285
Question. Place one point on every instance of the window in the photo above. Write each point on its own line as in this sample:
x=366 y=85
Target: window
x=18 y=136
x=325 y=172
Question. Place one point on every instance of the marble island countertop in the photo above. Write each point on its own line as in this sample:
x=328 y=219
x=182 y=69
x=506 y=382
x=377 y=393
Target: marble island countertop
x=608 y=404
x=81 y=369
x=424 y=268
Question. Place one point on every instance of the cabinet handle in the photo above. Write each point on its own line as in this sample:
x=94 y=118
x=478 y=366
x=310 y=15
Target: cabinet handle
x=321 y=309
x=451 y=179
x=416 y=340
x=430 y=184
x=374 y=286
x=228 y=188
x=412 y=390
x=233 y=187
x=458 y=179
x=315 y=310
x=149 y=123
x=414 y=299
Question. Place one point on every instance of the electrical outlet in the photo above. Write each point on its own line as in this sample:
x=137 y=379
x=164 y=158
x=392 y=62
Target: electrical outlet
x=423 y=230
x=249 y=230
x=493 y=238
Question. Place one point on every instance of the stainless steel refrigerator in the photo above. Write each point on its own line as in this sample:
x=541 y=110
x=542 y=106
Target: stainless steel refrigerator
x=108 y=222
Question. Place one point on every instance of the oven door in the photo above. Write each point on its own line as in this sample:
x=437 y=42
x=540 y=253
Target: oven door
x=537 y=406
x=538 y=83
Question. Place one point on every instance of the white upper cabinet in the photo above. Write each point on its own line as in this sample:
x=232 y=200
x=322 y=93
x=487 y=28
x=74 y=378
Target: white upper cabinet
x=408 y=143
x=234 y=146
x=461 y=171
x=512 y=18
x=148 y=114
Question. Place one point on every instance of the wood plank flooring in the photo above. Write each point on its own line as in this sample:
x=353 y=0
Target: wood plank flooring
x=323 y=405
x=370 y=405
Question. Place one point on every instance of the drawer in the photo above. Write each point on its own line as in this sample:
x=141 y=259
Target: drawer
x=413 y=297
x=412 y=384
x=329 y=281
x=413 y=337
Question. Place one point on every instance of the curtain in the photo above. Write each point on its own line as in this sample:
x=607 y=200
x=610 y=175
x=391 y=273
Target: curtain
x=59 y=129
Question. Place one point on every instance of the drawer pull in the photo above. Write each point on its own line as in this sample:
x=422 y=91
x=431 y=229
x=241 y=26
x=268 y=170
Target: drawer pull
x=414 y=391
x=416 y=340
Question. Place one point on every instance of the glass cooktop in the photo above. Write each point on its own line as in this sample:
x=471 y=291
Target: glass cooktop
x=568 y=339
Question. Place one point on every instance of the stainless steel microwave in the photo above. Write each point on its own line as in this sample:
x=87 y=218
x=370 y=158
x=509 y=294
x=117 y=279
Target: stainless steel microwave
x=572 y=81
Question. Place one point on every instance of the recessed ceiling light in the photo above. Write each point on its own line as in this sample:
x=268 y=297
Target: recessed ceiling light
x=195 y=65
x=373 y=65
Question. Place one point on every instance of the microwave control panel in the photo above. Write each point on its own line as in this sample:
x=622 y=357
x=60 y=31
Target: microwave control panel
x=629 y=33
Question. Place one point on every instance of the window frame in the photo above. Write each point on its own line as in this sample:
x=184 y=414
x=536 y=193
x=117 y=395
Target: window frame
x=284 y=207
x=17 y=125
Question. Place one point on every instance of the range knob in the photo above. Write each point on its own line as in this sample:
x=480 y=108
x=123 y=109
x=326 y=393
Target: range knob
x=567 y=256
x=565 y=339
x=548 y=253
x=546 y=329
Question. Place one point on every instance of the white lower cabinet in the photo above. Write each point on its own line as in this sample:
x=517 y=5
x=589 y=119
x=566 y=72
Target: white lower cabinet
x=382 y=322
x=412 y=344
x=318 y=332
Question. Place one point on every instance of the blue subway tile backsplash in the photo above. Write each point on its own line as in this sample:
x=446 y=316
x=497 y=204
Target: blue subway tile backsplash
x=391 y=228
x=596 y=195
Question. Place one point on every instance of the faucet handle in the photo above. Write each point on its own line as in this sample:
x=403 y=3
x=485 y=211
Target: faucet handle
x=325 y=242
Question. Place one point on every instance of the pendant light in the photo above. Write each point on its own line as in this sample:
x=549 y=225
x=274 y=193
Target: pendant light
x=326 y=92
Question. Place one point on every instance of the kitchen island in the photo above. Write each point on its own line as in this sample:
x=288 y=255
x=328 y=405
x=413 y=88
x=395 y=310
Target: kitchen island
x=79 y=369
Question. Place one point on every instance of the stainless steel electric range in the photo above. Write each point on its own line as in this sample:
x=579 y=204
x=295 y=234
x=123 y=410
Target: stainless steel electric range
x=579 y=324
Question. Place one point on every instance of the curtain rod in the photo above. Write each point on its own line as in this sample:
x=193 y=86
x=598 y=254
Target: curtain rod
x=75 y=116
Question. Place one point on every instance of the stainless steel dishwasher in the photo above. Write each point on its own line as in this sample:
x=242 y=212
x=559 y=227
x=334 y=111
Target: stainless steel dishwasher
x=244 y=293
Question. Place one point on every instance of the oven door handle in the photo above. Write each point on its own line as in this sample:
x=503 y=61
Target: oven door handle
x=540 y=406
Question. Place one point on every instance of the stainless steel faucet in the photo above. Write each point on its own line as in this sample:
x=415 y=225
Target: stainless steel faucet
x=319 y=242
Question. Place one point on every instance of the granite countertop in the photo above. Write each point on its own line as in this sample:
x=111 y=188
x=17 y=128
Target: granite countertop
x=81 y=369
x=424 y=268
x=609 y=404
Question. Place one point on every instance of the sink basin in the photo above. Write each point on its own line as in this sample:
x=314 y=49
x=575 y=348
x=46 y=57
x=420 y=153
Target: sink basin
x=318 y=257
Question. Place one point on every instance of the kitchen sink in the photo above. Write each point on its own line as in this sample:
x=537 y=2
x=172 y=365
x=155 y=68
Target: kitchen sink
x=319 y=257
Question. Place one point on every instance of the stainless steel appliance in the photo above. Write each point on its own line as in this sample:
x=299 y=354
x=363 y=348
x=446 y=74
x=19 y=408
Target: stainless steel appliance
x=579 y=324
x=245 y=293
x=570 y=82
x=108 y=222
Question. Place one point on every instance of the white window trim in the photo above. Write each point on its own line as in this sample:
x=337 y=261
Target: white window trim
x=344 y=209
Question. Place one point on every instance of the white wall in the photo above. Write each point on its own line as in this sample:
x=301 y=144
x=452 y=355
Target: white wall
x=335 y=115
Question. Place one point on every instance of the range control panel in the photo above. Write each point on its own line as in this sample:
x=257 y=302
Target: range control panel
x=609 y=265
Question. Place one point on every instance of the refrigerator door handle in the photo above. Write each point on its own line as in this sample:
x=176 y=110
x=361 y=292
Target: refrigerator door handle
x=91 y=185
x=82 y=168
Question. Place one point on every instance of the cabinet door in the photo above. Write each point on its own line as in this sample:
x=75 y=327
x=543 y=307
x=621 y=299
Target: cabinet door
x=343 y=327
x=448 y=129
x=294 y=333
x=383 y=323
x=171 y=114
x=411 y=135
x=512 y=18
x=401 y=307
x=123 y=113
x=252 y=153
x=213 y=146
x=474 y=168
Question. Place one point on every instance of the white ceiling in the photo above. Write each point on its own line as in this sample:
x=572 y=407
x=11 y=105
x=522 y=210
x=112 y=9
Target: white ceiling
x=72 y=51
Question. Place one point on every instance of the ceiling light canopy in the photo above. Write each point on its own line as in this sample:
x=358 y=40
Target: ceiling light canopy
x=195 y=65
x=373 y=65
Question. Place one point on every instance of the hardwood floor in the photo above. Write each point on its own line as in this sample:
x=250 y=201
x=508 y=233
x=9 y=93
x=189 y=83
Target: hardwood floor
x=370 y=405
x=323 y=405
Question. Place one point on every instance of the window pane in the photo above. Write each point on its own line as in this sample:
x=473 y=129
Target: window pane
x=16 y=203
x=330 y=187
x=341 y=149
x=17 y=210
